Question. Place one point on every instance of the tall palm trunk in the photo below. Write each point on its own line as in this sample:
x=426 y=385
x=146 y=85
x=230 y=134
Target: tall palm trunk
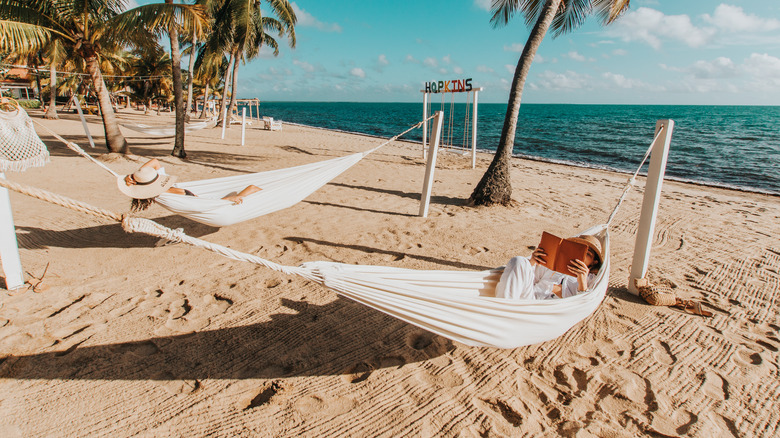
x=51 y=112
x=495 y=186
x=205 y=101
x=191 y=75
x=234 y=83
x=115 y=141
x=224 y=92
x=178 y=98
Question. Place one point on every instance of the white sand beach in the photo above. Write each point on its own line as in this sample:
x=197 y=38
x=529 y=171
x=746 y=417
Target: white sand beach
x=131 y=338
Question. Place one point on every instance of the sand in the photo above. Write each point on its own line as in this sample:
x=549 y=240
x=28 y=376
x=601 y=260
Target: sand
x=132 y=338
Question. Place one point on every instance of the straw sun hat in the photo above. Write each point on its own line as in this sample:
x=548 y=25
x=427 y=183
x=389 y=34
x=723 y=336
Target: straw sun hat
x=593 y=243
x=148 y=183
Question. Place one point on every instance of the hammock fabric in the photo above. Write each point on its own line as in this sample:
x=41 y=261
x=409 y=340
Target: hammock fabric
x=453 y=304
x=460 y=305
x=20 y=146
x=167 y=131
x=282 y=188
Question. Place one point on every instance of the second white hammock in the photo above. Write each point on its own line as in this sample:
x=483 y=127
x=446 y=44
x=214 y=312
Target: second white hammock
x=281 y=188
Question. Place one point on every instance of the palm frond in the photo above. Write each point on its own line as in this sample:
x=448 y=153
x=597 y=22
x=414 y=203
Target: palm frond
x=22 y=37
x=610 y=10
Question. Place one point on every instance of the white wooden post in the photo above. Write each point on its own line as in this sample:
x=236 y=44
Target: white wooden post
x=224 y=121
x=425 y=123
x=243 y=125
x=425 y=199
x=9 y=249
x=474 y=132
x=655 y=179
x=83 y=121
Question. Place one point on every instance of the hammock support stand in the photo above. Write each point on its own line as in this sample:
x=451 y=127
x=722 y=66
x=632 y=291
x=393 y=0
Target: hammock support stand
x=655 y=179
x=9 y=249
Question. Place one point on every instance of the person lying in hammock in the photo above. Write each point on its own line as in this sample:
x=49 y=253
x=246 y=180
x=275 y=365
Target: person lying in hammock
x=527 y=278
x=150 y=181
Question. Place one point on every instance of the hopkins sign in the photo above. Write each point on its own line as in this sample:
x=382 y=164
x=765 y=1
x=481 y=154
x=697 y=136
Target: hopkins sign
x=453 y=86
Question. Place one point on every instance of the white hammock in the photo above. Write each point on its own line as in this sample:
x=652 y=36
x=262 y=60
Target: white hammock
x=20 y=146
x=460 y=305
x=169 y=130
x=282 y=188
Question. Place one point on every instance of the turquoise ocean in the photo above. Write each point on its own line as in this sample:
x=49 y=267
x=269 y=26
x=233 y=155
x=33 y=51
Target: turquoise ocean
x=725 y=146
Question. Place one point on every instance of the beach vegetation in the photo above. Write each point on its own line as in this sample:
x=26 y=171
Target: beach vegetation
x=240 y=30
x=562 y=16
x=89 y=29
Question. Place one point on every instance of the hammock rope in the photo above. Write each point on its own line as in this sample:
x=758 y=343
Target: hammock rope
x=632 y=181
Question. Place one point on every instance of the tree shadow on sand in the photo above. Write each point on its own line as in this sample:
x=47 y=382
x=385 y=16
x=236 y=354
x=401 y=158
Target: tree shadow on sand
x=338 y=338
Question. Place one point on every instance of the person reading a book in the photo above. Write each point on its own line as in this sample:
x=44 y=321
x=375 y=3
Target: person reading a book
x=533 y=277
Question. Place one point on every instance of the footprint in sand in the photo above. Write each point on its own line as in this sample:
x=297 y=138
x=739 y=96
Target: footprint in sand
x=572 y=377
x=505 y=417
x=747 y=357
x=310 y=405
x=175 y=386
x=359 y=372
x=428 y=343
x=662 y=353
x=263 y=397
x=715 y=387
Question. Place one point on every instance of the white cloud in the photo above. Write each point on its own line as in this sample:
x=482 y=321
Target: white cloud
x=358 y=72
x=569 y=80
x=510 y=68
x=514 y=47
x=485 y=69
x=383 y=60
x=482 y=4
x=652 y=27
x=431 y=62
x=620 y=81
x=575 y=56
x=411 y=60
x=734 y=19
x=619 y=52
x=764 y=66
x=305 y=19
x=308 y=68
x=457 y=70
x=721 y=67
x=447 y=59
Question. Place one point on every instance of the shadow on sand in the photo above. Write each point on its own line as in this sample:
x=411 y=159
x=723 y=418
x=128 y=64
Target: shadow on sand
x=338 y=338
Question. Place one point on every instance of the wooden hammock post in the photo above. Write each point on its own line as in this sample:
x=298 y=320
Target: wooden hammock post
x=83 y=121
x=425 y=124
x=9 y=249
x=655 y=179
x=243 y=125
x=425 y=200
x=474 y=132
x=224 y=122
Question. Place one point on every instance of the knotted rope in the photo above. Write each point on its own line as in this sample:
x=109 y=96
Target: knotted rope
x=139 y=225
x=76 y=148
x=632 y=181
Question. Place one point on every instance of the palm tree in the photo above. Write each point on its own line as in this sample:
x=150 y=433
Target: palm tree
x=151 y=68
x=563 y=16
x=55 y=53
x=240 y=29
x=91 y=27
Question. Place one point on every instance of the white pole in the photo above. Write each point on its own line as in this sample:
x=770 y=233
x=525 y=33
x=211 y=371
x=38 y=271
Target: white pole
x=83 y=121
x=243 y=125
x=224 y=121
x=655 y=179
x=9 y=249
x=425 y=123
x=425 y=199
x=474 y=132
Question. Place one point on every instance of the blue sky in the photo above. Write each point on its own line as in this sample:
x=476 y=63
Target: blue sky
x=660 y=52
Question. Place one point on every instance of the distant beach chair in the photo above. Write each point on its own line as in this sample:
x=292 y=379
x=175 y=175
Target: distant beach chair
x=272 y=125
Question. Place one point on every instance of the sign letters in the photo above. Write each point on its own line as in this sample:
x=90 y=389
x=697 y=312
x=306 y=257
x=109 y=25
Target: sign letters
x=452 y=86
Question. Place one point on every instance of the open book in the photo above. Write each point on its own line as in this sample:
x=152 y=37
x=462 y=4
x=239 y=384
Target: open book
x=560 y=252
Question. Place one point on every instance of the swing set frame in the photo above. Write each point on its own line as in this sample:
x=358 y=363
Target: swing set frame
x=471 y=116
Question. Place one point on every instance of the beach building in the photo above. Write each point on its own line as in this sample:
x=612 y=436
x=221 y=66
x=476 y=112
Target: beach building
x=17 y=83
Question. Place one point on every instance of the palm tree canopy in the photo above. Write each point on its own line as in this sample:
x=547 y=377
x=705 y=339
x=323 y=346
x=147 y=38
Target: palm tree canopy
x=30 y=24
x=570 y=15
